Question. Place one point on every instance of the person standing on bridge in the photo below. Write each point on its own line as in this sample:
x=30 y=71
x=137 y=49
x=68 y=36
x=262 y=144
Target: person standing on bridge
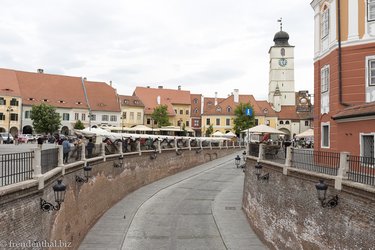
x=66 y=150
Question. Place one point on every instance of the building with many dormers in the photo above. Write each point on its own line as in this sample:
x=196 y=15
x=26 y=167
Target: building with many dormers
x=344 y=76
x=177 y=101
x=75 y=98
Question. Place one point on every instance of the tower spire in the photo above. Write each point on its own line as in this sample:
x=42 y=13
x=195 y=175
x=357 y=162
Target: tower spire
x=280 y=20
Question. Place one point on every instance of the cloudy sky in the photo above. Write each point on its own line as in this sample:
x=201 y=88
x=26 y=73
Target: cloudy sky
x=203 y=45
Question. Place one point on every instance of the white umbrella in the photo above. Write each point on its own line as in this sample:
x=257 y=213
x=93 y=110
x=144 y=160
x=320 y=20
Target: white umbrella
x=263 y=129
x=217 y=134
x=140 y=128
x=307 y=133
x=230 y=134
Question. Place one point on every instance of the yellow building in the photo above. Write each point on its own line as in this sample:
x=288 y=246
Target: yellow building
x=177 y=101
x=132 y=111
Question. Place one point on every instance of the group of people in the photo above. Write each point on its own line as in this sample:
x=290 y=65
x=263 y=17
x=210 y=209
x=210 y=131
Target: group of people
x=77 y=146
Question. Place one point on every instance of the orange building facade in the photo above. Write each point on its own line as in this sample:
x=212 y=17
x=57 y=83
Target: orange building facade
x=344 y=76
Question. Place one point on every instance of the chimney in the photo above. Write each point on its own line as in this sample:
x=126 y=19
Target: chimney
x=41 y=71
x=160 y=87
x=215 y=98
x=148 y=87
x=236 y=96
x=179 y=87
x=158 y=100
x=85 y=78
x=110 y=83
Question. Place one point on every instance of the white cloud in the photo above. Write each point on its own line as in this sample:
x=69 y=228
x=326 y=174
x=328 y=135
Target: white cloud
x=203 y=45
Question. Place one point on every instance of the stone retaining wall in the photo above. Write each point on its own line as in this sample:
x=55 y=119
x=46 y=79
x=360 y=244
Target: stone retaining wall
x=23 y=222
x=286 y=213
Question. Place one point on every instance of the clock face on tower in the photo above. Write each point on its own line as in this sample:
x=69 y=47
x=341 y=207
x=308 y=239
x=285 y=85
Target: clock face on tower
x=283 y=62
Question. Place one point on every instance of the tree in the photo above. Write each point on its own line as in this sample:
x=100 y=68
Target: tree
x=243 y=121
x=45 y=118
x=160 y=116
x=209 y=130
x=79 y=125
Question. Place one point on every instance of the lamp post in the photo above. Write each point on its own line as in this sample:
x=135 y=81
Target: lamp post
x=9 y=109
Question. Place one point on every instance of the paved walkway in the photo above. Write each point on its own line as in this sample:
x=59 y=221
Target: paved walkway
x=196 y=209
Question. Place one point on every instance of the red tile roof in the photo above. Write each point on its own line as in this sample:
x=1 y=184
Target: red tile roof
x=56 y=90
x=102 y=97
x=265 y=105
x=133 y=101
x=223 y=103
x=288 y=113
x=168 y=97
x=356 y=111
x=8 y=83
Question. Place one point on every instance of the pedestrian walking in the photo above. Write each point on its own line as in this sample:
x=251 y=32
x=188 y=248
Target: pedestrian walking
x=66 y=150
x=40 y=141
x=90 y=147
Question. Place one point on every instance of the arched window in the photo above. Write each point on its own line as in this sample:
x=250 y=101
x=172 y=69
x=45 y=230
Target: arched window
x=287 y=122
x=218 y=109
x=281 y=122
x=195 y=100
x=229 y=109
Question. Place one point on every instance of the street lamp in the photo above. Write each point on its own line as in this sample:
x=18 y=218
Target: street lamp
x=59 y=190
x=321 y=189
x=9 y=109
x=237 y=161
x=258 y=172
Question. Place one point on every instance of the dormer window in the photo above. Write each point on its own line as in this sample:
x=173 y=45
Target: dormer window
x=79 y=103
x=45 y=100
x=218 y=109
x=229 y=109
x=31 y=99
x=61 y=101
x=101 y=104
x=209 y=103
x=126 y=101
x=136 y=102
x=195 y=100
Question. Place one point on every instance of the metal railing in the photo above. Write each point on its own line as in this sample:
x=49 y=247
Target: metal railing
x=16 y=167
x=361 y=169
x=316 y=161
x=49 y=159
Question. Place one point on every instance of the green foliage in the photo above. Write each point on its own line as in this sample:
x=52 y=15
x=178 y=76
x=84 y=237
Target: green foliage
x=79 y=125
x=242 y=121
x=45 y=118
x=160 y=115
x=209 y=131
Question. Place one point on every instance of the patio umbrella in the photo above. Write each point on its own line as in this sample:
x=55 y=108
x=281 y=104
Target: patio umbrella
x=217 y=134
x=230 y=134
x=263 y=129
x=306 y=134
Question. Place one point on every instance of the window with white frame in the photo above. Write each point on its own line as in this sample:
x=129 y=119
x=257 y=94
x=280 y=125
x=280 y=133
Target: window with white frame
x=371 y=72
x=227 y=121
x=367 y=145
x=83 y=116
x=27 y=114
x=76 y=116
x=217 y=121
x=325 y=22
x=139 y=116
x=65 y=116
x=131 y=116
x=370 y=10
x=324 y=79
x=208 y=121
x=325 y=135
x=104 y=118
x=93 y=117
x=113 y=118
x=196 y=123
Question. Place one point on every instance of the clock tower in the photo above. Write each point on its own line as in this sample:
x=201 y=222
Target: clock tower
x=281 y=75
